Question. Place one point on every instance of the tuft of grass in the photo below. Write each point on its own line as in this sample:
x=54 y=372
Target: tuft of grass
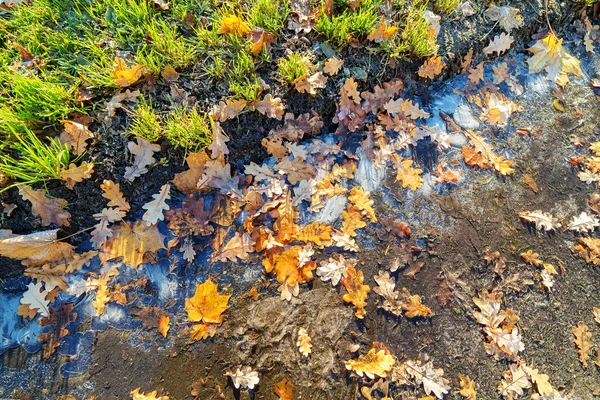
x=294 y=66
x=351 y=24
x=27 y=160
x=446 y=6
x=415 y=39
x=187 y=129
x=167 y=48
x=146 y=123
x=246 y=88
x=269 y=15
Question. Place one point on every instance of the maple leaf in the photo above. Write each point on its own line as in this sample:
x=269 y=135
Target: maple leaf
x=295 y=170
x=155 y=208
x=303 y=342
x=357 y=292
x=374 y=363
x=333 y=269
x=228 y=109
x=132 y=243
x=269 y=106
x=143 y=152
x=542 y=220
x=332 y=66
x=202 y=331
x=507 y=17
x=76 y=174
x=409 y=176
x=75 y=136
x=50 y=210
x=112 y=192
x=218 y=147
x=583 y=223
x=137 y=395
x=583 y=342
x=34 y=301
x=310 y=83
x=467 y=388
x=503 y=166
x=382 y=32
x=513 y=382
x=431 y=68
x=207 y=305
x=124 y=76
x=187 y=181
x=500 y=44
x=284 y=389
x=550 y=55
x=234 y=25
x=240 y=245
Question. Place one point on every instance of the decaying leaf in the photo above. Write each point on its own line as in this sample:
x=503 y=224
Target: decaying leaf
x=542 y=220
x=34 y=301
x=409 y=176
x=228 y=109
x=310 y=83
x=334 y=269
x=583 y=223
x=583 y=342
x=357 y=292
x=75 y=136
x=244 y=377
x=187 y=181
x=50 y=210
x=513 y=382
x=76 y=174
x=374 y=363
x=218 y=147
x=269 y=106
x=431 y=378
x=164 y=325
x=112 y=192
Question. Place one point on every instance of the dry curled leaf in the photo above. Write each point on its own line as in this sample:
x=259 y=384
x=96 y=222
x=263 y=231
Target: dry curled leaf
x=138 y=395
x=542 y=220
x=310 y=83
x=382 y=32
x=550 y=55
x=75 y=136
x=303 y=342
x=77 y=174
x=499 y=44
x=244 y=377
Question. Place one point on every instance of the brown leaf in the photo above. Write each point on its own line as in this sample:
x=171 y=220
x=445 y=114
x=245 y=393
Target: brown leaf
x=218 y=147
x=261 y=39
x=396 y=227
x=269 y=106
x=187 y=181
x=332 y=66
x=285 y=389
x=169 y=74
x=357 y=292
x=476 y=74
x=295 y=170
x=77 y=174
x=75 y=136
x=228 y=109
x=143 y=152
x=60 y=318
x=239 y=247
x=310 y=83
x=382 y=32
x=50 y=210
x=112 y=192
x=583 y=342
x=431 y=68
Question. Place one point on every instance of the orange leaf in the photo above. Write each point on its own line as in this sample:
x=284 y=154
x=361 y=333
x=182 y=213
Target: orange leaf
x=112 y=192
x=473 y=158
x=207 y=305
x=285 y=389
x=357 y=292
x=187 y=181
x=382 y=32
x=163 y=325
x=332 y=66
x=260 y=39
x=431 y=68
x=132 y=243
x=123 y=76
x=352 y=221
x=50 y=210
x=361 y=201
x=315 y=233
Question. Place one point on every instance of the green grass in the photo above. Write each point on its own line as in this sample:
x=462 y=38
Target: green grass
x=348 y=25
x=269 y=15
x=167 y=48
x=294 y=66
x=146 y=123
x=446 y=6
x=187 y=129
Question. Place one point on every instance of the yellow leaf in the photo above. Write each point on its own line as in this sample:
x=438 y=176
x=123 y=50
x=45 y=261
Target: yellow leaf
x=137 y=395
x=352 y=221
x=207 y=305
x=414 y=307
x=531 y=258
x=361 y=201
x=123 y=76
x=357 y=292
x=503 y=166
x=583 y=342
x=550 y=55
x=409 y=176
x=132 y=243
x=202 y=331
x=234 y=25
x=315 y=233
x=467 y=388
x=382 y=32
x=374 y=363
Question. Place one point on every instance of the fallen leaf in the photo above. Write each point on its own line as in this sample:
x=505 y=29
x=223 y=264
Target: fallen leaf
x=59 y=319
x=467 y=388
x=50 y=210
x=137 y=395
x=583 y=342
x=234 y=25
x=187 y=181
x=382 y=32
x=124 y=76
x=431 y=68
x=357 y=292
x=238 y=247
x=76 y=174
x=476 y=74
x=285 y=389
x=583 y=223
x=500 y=44
x=310 y=83
x=155 y=208
x=502 y=166
x=550 y=55
x=507 y=17
x=542 y=220
x=34 y=301
x=296 y=170
x=543 y=386
x=374 y=363
x=218 y=147
x=409 y=176
x=269 y=106
x=332 y=66
x=163 y=325
x=260 y=39
x=207 y=305
x=75 y=136
x=228 y=109
x=132 y=243
x=143 y=152
x=169 y=74
x=513 y=382
x=303 y=342
x=112 y=192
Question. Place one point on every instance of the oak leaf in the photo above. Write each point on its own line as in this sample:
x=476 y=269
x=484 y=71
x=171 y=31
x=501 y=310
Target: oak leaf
x=124 y=76
x=409 y=176
x=476 y=74
x=296 y=170
x=467 y=388
x=76 y=173
x=316 y=233
x=360 y=199
x=333 y=269
x=143 y=152
x=583 y=223
x=269 y=106
x=543 y=386
x=532 y=258
x=285 y=389
x=500 y=44
x=310 y=83
x=244 y=377
x=75 y=136
x=352 y=221
x=473 y=158
x=34 y=301
x=112 y=192
x=37 y=248
x=514 y=381
x=542 y=220
x=583 y=342
x=50 y=210
x=357 y=292
x=228 y=109
x=303 y=342
x=503 y=166
x=332 y=66
x=155 y=208
x=137 y=395
x=207 y=305
x=414 y=307
x=239 y=247
x=132 y=243
x=218 y=147
x=431 y=68
x=431 y=378
x=187 y=181
x=382 y=32
x=374 y=363
x=285 y=217
x=507 y=17
x=234 y=25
